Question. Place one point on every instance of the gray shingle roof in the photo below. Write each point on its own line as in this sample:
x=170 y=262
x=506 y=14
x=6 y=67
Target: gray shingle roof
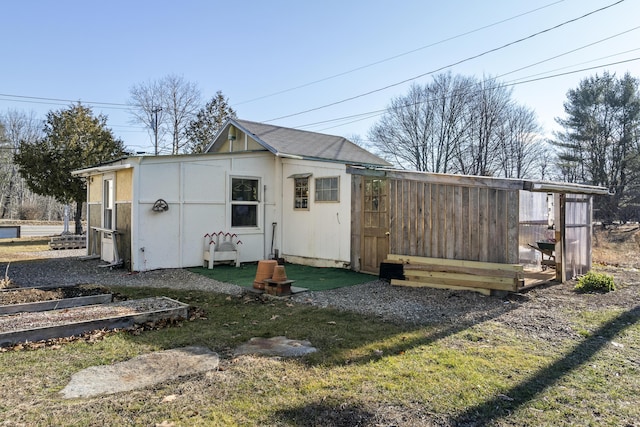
x=309 y=145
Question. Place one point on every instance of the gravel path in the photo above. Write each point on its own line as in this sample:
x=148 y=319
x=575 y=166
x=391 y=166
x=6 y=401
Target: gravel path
x=65 y=267
x=541 y=312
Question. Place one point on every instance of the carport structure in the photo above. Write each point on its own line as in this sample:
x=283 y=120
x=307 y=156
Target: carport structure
x=465 y=231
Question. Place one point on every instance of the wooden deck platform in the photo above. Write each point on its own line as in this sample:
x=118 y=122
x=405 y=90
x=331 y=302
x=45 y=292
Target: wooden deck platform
x=483 y=277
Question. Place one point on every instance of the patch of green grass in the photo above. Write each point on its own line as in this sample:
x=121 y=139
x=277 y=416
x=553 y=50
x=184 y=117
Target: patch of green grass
x=312 y=278
x=365 y=370
x=13 y=249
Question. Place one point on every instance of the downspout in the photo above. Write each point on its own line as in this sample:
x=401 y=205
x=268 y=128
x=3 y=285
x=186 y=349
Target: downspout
x=264 y=222
x=181 y=227
x=280 y=210
x=137 y=252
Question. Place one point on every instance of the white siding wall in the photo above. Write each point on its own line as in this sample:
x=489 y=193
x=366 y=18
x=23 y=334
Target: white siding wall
x=320 y=235
x=197 y=191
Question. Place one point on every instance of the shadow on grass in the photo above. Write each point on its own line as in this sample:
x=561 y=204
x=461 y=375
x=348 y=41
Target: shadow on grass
x=326 y=415
x=497 y=408
x=342 y=337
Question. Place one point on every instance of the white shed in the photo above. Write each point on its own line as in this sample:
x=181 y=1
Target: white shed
x=274 y=189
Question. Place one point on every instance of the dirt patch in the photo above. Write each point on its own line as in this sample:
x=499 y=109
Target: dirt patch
x=617 y=246
x=27 y=295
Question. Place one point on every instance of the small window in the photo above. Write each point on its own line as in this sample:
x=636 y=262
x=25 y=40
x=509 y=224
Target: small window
x=301 y=193
x=107 y=200
x=244 y=202
x=327 y=189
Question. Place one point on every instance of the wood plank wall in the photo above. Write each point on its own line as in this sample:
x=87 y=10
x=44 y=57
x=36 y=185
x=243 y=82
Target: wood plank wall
x=123 y=225
x=356 y=221
x=453 y=221
x=95 y=220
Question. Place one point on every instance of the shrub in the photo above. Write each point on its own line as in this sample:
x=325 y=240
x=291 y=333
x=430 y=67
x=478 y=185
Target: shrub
x=595 y=282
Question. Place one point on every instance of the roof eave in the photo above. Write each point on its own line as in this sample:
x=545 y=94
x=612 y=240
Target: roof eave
x=565 y=187
x=83 y=173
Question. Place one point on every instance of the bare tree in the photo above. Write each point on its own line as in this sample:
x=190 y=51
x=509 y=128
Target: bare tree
x=520 y=144
x=400 y=134
x=450 y=97
x=487 y=112
x=17 y=126
x=458 y=124
x=421 y=130
x=166 y=107
x=146 y=101
x=182 y=102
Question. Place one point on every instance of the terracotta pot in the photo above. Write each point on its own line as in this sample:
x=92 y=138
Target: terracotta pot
x=279 y=274
x=264 y=271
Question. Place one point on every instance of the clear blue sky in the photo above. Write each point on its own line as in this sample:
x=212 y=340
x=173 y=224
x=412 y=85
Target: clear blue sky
x=95 y=51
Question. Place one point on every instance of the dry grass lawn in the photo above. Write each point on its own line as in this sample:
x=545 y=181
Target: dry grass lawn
x=367 y=372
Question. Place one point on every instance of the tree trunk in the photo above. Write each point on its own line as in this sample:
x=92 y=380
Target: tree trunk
x=78 y=218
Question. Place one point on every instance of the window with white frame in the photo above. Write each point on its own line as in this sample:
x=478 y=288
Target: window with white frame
x=244 y=202
x=328 y=189
x=301 y=193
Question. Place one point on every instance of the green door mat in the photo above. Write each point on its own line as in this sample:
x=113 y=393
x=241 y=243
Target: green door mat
x=311 y=278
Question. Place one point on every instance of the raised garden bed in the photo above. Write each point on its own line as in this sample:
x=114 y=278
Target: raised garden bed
x=42 y=293
x=55 y=304
x=36 y=326
x=18 y=300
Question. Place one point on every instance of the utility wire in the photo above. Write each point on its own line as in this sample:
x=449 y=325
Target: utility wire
x=56 y=101
x=353 y=70
x=446 y=66
x=571 y=51
x=575 y=65
x=502 y=75
x=114 y=105
x=509 y=84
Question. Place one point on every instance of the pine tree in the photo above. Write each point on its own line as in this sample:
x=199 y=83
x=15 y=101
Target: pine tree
x=73 y=139
x=208 y=122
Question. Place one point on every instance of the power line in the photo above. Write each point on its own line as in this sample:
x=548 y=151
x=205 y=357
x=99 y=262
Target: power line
x=114 y=105
x=447 y=66
x=498 y=76
x=353 y=70
x=571 y=51
x=58 y=101
x=508 y=84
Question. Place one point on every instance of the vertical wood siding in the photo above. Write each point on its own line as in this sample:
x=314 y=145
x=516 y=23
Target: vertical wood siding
x=453 y=221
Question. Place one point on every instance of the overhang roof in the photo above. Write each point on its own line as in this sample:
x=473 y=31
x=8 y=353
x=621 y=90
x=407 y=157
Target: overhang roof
x=112 y=166
x=483 y=181
x=287 y=142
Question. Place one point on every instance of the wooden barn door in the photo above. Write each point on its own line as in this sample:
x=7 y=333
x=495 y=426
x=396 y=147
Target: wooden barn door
x=375 y=224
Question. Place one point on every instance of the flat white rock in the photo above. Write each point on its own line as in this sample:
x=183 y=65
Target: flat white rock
x=142 y=371
x=276 y=346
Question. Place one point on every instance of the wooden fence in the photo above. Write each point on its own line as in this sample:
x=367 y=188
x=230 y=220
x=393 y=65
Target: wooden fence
x=454 y=218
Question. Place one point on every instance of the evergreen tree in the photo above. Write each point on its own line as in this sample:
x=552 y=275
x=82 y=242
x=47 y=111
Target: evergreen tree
x=600 y=144
x=208 y=122
x=73 y=139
